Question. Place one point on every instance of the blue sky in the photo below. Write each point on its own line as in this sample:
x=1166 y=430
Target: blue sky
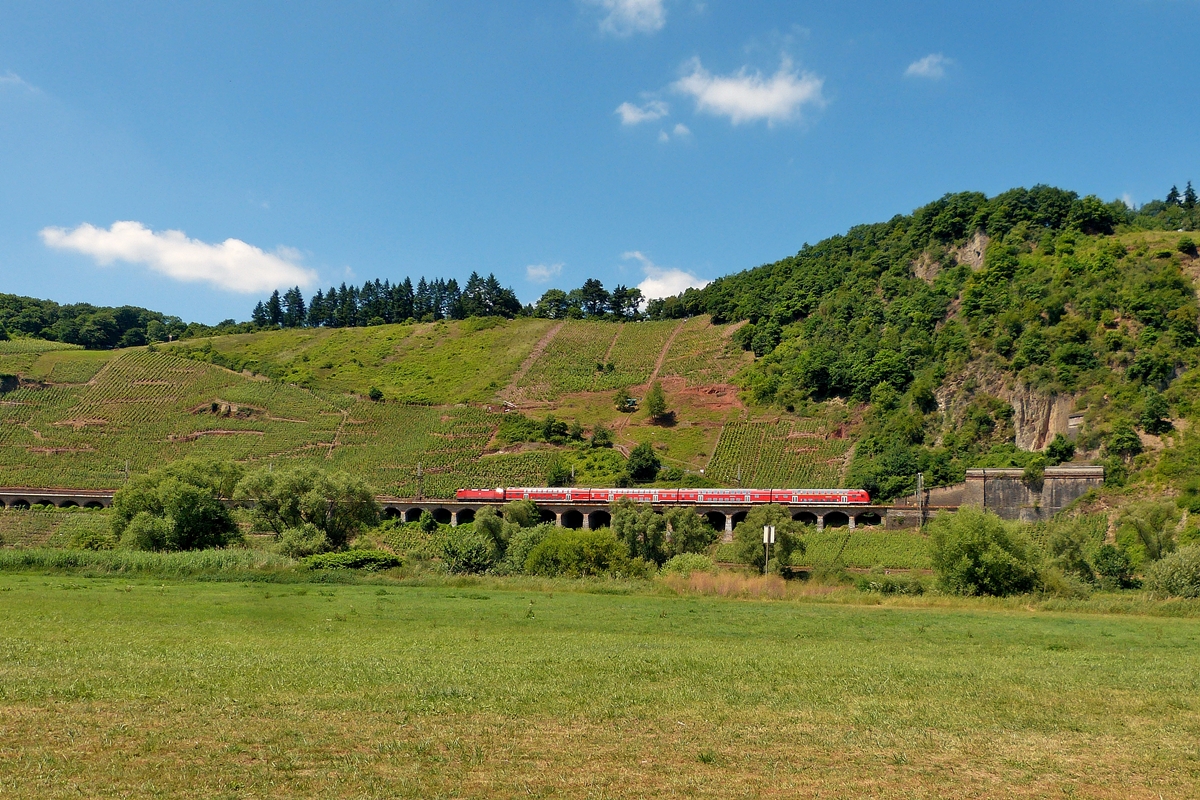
x=546 y=141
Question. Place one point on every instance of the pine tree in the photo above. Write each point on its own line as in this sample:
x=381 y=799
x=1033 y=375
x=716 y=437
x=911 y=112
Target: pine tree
x=331 y=305
x=1173 y=196
x=402 y=301
x=422 y=304
x=259 y=316
x=293 y=308
x=316 y=310
x=275 y=309
x=1189 y=197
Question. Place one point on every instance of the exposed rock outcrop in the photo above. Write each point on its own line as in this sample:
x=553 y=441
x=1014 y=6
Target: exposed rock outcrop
x=1037 y=417
x=973 y=250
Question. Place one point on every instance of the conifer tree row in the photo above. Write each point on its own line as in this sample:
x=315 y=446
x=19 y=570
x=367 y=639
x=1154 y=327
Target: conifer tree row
x=379 y=303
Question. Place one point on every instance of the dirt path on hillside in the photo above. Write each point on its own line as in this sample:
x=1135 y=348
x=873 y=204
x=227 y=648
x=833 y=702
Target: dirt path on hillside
x=510 y=391
x=662 y=357
x=613 y=344
x=337 y=436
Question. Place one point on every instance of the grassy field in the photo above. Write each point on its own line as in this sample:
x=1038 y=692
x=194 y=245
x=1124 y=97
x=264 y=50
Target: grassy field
x=128 y=688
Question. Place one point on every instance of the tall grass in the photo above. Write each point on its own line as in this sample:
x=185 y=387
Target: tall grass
x=199 y=563
x=742 y=586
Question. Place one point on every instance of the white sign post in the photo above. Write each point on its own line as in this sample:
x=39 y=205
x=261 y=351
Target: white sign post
x=768 y=540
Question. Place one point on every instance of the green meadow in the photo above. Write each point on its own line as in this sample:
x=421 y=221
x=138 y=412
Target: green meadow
x=116 y=687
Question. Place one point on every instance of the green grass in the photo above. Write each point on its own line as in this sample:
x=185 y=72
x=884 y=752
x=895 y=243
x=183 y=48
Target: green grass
x=224 y=564
x=435 y=363
x=122 y=687
x=864 y=549
x=23 y=345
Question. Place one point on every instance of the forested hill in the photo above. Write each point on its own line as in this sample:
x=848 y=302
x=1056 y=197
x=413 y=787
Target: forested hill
x=947 y=317
x=97 y=327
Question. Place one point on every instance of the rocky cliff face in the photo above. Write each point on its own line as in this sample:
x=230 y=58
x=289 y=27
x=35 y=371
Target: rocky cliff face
x=1037 y=418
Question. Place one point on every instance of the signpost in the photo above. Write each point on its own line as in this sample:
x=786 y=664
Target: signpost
x=768 y=540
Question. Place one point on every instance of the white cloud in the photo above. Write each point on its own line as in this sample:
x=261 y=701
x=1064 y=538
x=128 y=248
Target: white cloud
x=627 y=17
x=747 y=97
x=932 y=66
x=664 y=137
x=1127 y=199
x=232 y=265
x=663 y=281
x=11 y=80
x=682 y=130
x=633 y=115
x=540 y=273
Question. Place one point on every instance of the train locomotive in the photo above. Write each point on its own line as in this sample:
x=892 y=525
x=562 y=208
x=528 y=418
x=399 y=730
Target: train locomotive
x=671 y=497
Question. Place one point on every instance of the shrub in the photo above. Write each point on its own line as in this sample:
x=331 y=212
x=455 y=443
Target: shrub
x=1114 y=567
x=1068 y=547
x=185 y=497
x=643 y=463
x=686 y=563
x=1176 y=575
x=91 y=539
x=146 y=532
x=354 y=559
x=974 y=552
x=557 y=473
x=1054 y=581
x=1060 y=450
x=1146 y=530
x=337 y=503
x=881 y=582
x=579 y=553
x=469 y=551
x=375 y=393
x=601 y=436
x=411 y=540
x=306 y=540
x=521 y=544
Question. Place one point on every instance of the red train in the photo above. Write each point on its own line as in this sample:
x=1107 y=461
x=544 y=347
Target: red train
x=789 y=497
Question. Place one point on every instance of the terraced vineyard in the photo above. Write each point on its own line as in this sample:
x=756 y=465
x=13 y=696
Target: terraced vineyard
x=49 y=528
x=18 y=356
x=795 y=453
x=436 y=364
x=387 y=441
x=576 y=359
x=703 y=353
x=146 y=408
x=81 y=418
